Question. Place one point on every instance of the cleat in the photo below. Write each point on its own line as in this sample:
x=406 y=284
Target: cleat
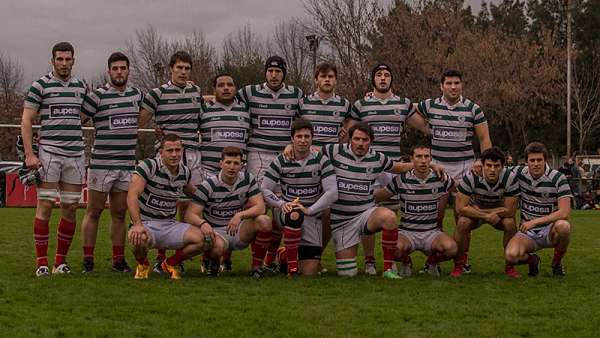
x=205 y=265
x=293 y=275
x=257 y=273
x=227 y=266
x=273 y=268
x=406 y=270
x=511 y=272
x=42 y=271
x=558 y=270
x=467 y=268
x=62 y=269
x=390 y=274
x=142 y=271
x=181 y=268
x=213 y=269
x=534 y=267
x=433 y=270
x=423 y=270
x=457 y=271
x=88 y=265
x=170 y=270
x=370 y=268
x=157 y=267
x=120 y=266
x=280 y=260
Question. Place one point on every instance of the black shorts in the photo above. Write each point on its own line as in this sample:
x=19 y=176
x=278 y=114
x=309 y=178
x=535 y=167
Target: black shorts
x=309 y=252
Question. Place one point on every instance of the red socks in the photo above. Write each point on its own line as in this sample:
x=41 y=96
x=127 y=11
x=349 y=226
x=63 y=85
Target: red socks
x=259 y=247
x=88 y=253
x=65 y=233
x=558 y=255
x=161 y=254
x=226 y=256
x=142 y=260
x=388 y=245
x=118 y=253
x=41 y=231
x=177 y=258
x=273 y=246
x=291 y=241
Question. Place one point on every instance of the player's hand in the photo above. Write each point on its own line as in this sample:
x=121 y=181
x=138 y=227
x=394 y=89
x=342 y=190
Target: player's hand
x=493 y=219
x=32 y=162
x=208 y=232
x=158 y=133
x=526 y=226
x=138 y=234
x=315 y=149
x=287 y=207
x=288 y=152
x=343 y=133
x=439 y=170
x=302 y=208
x=234 y=224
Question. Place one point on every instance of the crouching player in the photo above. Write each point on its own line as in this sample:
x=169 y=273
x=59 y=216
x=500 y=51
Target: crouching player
x=156 y=185
x=308 y=186
x=545 y=209
x=490 y=198
x=232 y=204
x=422 y=191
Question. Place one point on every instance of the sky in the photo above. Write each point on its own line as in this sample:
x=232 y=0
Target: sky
x=98 y=27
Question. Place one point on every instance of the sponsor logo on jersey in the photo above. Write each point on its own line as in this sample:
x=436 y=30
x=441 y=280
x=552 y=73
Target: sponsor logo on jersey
x=536 y=209
x=274 y=122
x=386 y=129
x=303 y=191
x=161 y=203
x=421 y=207
x=325 y=129
x=124 y=121
x=354 y=187
x=64 y=111
x=224 y=213
x=449 y=134
x=228 y=135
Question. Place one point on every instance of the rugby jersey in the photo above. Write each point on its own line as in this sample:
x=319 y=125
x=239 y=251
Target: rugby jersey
x=176 y=110
x=59 y=104
x=326 y=116
x=222 y=201
x=300 y=179
x=222 y=126
x=540 y=197
x=486 y=196
x=419 y=199
x=355 y=179
x=115 y=117
x=158 y=201
x=387 y=118
x=452 y=128
x=271 y=114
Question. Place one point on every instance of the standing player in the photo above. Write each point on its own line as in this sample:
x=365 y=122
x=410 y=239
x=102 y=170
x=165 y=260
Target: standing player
x=545 y=209
x=308 y=186
x=57 y=99
x=232 y=204
x=422 y=192
x=387 y=113
x=490 y=198
x=114 y=110
x=155 y=187
x=272 y=106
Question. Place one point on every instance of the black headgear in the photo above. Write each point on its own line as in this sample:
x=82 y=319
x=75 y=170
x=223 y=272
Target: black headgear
x=276 y=61
x=381 y=66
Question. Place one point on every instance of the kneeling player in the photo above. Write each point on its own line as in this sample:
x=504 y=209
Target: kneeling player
x=308 y=186
x=545 y=209
x=232 y=204
x=155 y=187
x=421 y=193
x=490 y=198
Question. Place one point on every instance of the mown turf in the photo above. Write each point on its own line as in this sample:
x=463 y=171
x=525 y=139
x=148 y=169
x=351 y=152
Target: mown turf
x=484 y=303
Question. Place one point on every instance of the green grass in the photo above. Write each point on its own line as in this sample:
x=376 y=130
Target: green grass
x=484 y=303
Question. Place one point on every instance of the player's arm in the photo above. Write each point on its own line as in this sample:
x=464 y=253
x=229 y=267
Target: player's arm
x=562 y=213
x=417 y=121
x=256 y=207
x=382 y=194
x=510 y=207
x=330 y=195
x=346 y=125
x=137 y=230
x=194 y=213
x=483 y=134
x=144 y=119
x=463 y=208
x=29 y=116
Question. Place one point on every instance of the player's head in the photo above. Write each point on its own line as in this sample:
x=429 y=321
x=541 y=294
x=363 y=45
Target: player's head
x=509 y=160
x=381 y=78
x=326 y=77
x=360 y=137
x=302 y=134
x=420 y=156
x=63 y=58
x=451 y=84
x=171 y=150
x=181 y=67
x=275 y=71
x=225 y=88
x=118 y=69
x=493 y=161
x=535 y=155
x=231 y=162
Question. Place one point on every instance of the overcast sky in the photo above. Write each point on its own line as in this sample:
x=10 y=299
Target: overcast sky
x=98 y=27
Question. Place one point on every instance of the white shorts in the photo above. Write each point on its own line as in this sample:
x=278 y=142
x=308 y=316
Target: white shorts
x=258 y=163
x=104 y=180
x=167 y=234
x=57 y=168
x=458 y=169
x=312 y=228
x=420 y=240
x=232 y=242
x=540 y=236
x=347 y=235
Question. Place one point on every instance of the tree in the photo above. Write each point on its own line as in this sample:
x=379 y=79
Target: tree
x=11 y=102
x=586 y=94
x=243 y=56
x=290 y=43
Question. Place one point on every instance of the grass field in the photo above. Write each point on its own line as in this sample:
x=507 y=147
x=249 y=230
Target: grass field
x=484 y=303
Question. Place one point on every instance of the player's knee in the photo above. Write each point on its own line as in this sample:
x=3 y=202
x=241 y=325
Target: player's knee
x=463 y=225
x=388 y=219
x=512 y=253
x=450 y=248
x=509 y=224
x=263 y=222
x=562 y=227
x=93 y=213
x=294 y=219
x=118 y=213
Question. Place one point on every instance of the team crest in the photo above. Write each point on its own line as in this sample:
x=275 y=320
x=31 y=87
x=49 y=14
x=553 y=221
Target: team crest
x=336 y=113
x=194 y=100
x=240 y=118
x=369 y=170
x=288 y=107
x=545 y=195
x=397 y=111
x=78 y=95
x=241 y=196
x=461 y=119
x=315 y=173
x=434 y=190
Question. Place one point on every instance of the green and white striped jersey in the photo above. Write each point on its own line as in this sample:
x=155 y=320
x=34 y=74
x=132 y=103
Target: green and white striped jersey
x=222 y=126
x=59 y=105
x=158 y=201
x=355 y=178
x=387 y=118
x=326 y=116
x=177 y=110
x=452 y=128
x=486 y=196
x=115 y=117
x=271 y=114
x=222 y=201
x=419 y=199
x=540 y=197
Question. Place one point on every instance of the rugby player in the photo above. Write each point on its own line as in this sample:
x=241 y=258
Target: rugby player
x=308 y=186
x=422 y=192
x=490 y=198
x=114 y=110
x=156 y=185
x=232 y=204
x=545 y=208
x=56 y=98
